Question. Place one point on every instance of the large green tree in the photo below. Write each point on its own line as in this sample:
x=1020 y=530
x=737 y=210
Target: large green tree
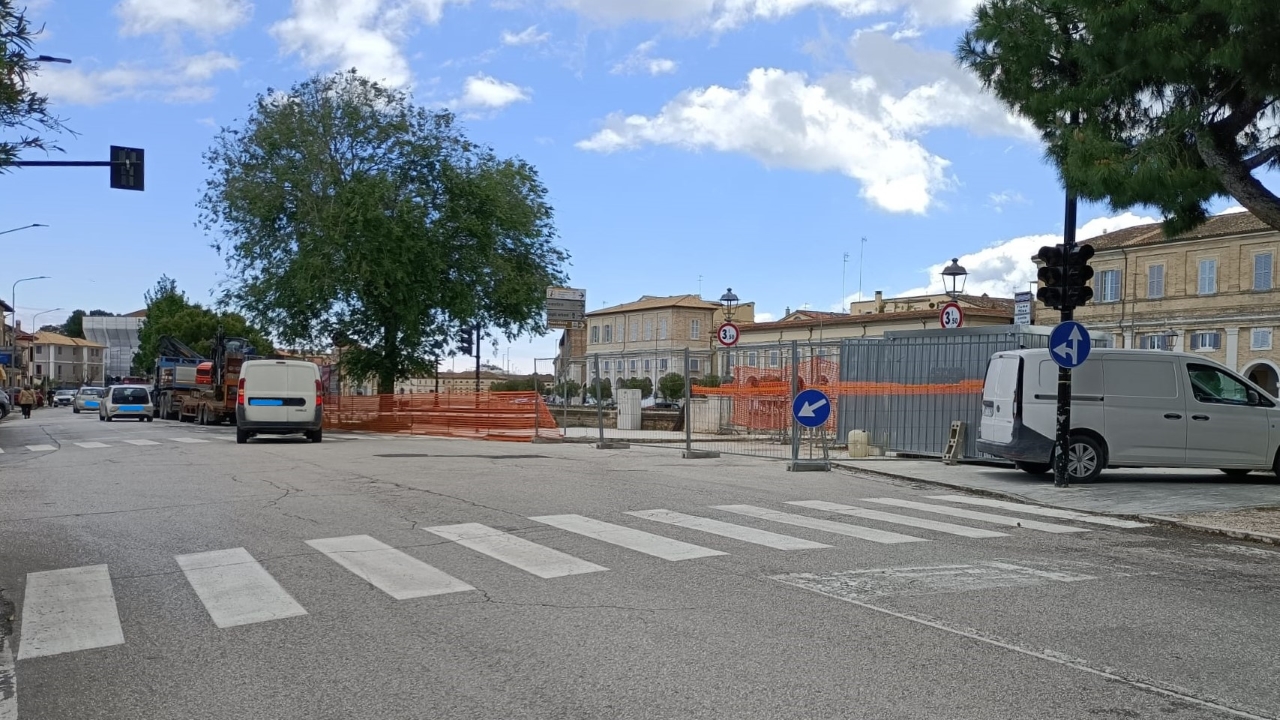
x=25 y=118
x=1169 y=104
x=344 y=210
x=169 y=312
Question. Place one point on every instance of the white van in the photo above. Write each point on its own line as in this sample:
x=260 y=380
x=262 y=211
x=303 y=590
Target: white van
x=279 y=397
x=1129 y=408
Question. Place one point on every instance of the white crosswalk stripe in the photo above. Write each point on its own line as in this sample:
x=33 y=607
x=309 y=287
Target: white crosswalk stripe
x=980 y=516
x=396 y=573
x=188 y=440
x=1041 y=510
x=729 y=530
x=41 y=448
x=943 y=527
x=68 y=610
x=142 y=442
x=515 y=551
x=91 y=445
x=630 y=538
x=839 y=528
x=236 y=589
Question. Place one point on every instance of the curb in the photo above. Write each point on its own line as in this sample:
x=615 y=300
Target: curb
x=1156 y=519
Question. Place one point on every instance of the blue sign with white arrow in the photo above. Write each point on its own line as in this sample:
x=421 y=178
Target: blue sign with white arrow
x=811 y=408
x=1069 y=344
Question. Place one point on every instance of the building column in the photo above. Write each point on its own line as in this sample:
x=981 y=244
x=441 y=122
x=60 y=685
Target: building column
x=1233 y=348
x=1128 y=339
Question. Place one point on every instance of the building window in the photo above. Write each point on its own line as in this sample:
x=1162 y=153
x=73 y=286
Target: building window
x=39 y=349
x=618 y=366
x=595 y=334
x=633 y=367
x=1262 y=271
x=1205 y=341
x=59 y=350
x=662 y=365
x=608 y=333
x=648 y=328
x=774 y=357
x=39 y=370
x=662 y=328
x=1155 y=281
x=1260 y=339
x=695 y=329
x=59 y=371
x=635 y=329
x=1108 y=284
x=752 y=359
x=1208 y=284
x=648 y=365
x=1155 y=342
x=693 y=362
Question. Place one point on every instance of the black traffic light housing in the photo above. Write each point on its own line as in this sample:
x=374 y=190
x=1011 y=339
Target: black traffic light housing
x=466 y=341
x=127 y=165
x=1064 y=276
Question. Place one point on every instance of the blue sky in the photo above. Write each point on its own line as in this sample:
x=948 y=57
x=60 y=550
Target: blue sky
x=687 y=144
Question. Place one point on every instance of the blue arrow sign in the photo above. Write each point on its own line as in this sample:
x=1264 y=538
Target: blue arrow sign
x=1069 y=344
x=811 y=408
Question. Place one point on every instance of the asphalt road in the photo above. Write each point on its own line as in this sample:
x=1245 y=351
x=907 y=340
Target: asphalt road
x=159 y=570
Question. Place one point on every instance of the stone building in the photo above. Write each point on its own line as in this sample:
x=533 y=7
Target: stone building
x=1210 y=291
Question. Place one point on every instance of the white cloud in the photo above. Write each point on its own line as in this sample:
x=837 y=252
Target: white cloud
x=365 y=34
x=528 y=36
x=867 y=126
x=765 y=317
x=640 y=61
x=184 y=80
x=139 y=17
x=998 y=201
x=1232 y=210
x=721 y=15
x=482 y=92
x=1005 y=268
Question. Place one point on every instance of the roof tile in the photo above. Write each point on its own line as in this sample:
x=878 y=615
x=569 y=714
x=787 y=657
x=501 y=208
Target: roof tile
x=1153 y=233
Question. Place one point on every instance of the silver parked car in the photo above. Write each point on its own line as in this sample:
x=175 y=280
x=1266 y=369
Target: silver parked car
x=126 y=401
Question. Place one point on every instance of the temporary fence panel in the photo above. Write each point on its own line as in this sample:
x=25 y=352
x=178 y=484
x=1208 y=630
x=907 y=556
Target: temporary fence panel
x=652 y=411
x=511 y=416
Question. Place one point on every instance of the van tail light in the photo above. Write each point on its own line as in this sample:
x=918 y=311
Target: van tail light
x=240 y=392
x=319 y=394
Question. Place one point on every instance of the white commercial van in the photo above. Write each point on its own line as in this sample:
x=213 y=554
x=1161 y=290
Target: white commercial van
x=1129 y=408
x=279 y=397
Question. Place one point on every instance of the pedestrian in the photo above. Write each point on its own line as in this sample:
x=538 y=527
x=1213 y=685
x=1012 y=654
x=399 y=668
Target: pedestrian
x=26 y=399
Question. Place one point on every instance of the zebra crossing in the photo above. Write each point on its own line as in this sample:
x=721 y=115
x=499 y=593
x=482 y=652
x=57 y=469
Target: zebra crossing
x=204 y=438
x=74 y=609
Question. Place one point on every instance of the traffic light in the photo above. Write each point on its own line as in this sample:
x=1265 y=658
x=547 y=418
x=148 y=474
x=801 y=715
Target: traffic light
x=1064 y=276
x=465 y=341
x=127 y=165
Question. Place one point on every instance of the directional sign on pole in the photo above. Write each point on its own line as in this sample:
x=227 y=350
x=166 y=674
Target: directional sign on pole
x=811 y=408
x=1069 y=344
x=566 y=294
x=727 y=334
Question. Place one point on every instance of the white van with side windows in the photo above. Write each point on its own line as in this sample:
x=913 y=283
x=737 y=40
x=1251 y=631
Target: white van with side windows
x=1129 y=408
x=279 y=397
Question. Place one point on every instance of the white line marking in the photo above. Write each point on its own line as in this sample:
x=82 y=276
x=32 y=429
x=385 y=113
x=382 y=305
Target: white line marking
x=839 y=528
x=41 y=448
x=980 y=516
x=396 y=573
x=68 y=610
x=1 y=451
x=629 y=538
x=8 y=682
x=1046 y=574
x=235 y=589
x=92 y=445
x=188 y=440
x=142 y=442
x=1048 y=655
x=729 y=530
x=528 y=556
x=943 y=527
x=1039 y=510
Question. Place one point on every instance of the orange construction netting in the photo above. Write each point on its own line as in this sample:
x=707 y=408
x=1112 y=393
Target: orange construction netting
x=509 y=416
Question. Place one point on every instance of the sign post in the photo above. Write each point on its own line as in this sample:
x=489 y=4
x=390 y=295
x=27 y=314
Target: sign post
x=1022 y=308
x=727 y=334
x=566 y=308
x=810 y=409
x=1069 y=346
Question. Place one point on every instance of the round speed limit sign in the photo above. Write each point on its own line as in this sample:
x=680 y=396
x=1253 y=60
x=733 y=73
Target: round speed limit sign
x=951 y=316
x=728 y=334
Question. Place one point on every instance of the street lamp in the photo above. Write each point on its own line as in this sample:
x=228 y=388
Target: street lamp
x=729 y=301
x=953 y=278
x=24 y=227
x=36 y=317
x=1169 y=337
x=13 y=321
x=50 y=58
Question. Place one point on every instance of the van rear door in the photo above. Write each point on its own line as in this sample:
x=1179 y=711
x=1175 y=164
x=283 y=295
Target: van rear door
x=999 y=396
x=265 y=385
x=300 y=398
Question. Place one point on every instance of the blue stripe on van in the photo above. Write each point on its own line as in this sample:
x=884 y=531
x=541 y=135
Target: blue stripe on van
x=266 y=401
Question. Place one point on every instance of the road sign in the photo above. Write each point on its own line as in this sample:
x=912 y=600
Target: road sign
x=566 y=325
x=1022 y=308
x=1069 y=344
x=566 y=294
x=565 y=315
x=727 y=334
x=570 y=305
x=811 y=408
x=951 y=316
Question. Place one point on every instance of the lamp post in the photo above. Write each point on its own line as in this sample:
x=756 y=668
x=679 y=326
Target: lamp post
x=24 y=227
x=35 y=317
x=954 y=277
x=1170 y=336
x=13 y=324
x=729 y=301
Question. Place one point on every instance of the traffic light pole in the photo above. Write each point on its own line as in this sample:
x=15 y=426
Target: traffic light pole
x=1063 y=434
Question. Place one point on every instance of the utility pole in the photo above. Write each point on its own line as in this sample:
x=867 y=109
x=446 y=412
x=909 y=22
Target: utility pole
x=476 y=329
x=861 y=251
x=844 y=272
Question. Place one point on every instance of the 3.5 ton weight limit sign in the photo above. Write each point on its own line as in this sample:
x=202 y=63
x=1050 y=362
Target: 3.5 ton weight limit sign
x=727 y=334
x=951 y=316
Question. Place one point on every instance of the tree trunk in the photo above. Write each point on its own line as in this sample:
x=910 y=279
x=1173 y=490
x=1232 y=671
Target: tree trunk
x=1237 y=179
x=387 y=368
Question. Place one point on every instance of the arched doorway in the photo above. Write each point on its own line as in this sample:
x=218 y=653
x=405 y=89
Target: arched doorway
x=1264 y=375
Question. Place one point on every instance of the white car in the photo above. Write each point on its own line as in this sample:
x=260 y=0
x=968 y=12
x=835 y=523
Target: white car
x=126 y=401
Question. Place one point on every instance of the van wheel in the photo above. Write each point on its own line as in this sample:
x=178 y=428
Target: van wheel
x=1085 y=459
x=242 y=436
x=1236 y=472
x=315 y=436
x=1034 y=468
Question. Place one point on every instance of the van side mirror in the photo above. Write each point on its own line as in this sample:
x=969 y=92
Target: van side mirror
x=1253 y=397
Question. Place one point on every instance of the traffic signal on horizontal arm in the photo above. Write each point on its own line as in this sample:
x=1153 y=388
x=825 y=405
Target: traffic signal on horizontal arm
x=1064 y=276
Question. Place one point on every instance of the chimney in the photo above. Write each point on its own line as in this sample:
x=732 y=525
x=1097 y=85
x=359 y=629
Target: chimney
x=879 y=301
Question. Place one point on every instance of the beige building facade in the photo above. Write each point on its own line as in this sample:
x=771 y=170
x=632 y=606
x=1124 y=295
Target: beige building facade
x=873 y=318
x=1211 y=291
x=64 y=361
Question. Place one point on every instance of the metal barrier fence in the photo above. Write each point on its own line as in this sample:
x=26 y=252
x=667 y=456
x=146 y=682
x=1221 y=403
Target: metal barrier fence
x=510 y=416
x=640 y=398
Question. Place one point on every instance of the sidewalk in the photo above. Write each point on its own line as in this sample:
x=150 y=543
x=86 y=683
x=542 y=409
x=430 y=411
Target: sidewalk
x=1195 y=498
